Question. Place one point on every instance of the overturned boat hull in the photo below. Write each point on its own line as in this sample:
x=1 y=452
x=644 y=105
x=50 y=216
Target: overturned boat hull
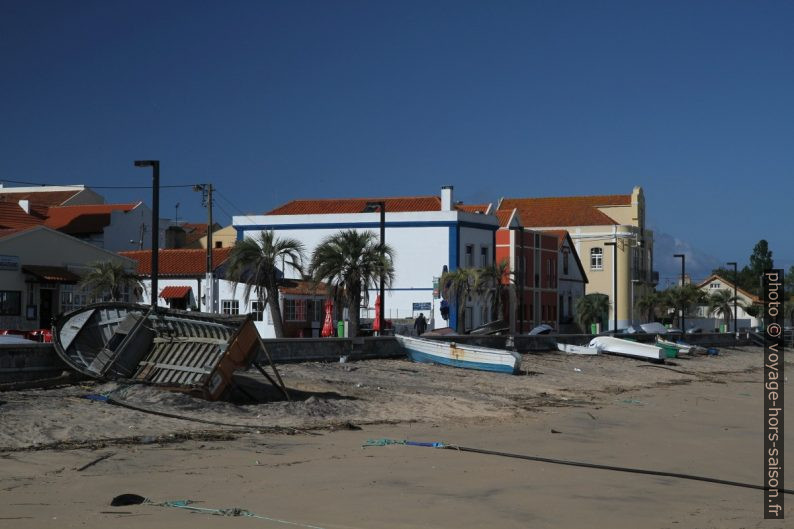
x=609 y=344
x=183 y=351
x=463 y=356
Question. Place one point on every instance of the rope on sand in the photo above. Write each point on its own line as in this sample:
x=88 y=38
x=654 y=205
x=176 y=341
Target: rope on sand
x=386 y=442
x=232 y=511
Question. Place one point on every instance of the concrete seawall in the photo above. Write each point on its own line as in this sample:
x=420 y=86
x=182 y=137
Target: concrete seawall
x=38 y=361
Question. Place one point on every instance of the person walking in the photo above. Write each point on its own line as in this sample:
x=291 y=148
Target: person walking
x=420 y=324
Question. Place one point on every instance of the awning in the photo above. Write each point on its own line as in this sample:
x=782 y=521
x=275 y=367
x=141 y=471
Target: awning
x=51 y=274
x=174 y=292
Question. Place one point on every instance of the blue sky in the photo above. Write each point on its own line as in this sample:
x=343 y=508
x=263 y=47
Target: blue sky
x=278 y=100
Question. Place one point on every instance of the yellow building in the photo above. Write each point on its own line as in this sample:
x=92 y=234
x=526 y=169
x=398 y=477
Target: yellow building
x=601 y=227
x=221 y=238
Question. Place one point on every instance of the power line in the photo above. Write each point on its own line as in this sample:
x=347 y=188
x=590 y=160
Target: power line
x=90 y=186
x=234 y=206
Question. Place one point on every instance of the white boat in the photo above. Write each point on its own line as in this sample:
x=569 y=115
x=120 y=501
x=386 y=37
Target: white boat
x=458 y=355
x=578 y=349
x=609 y=344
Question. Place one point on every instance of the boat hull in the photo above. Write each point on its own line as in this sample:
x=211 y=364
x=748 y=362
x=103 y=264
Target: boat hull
x=461 y=356
x=621 y=347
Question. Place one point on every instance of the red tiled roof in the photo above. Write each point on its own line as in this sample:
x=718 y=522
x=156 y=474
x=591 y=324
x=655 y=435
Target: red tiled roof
x=83 y=219
x=40 y=198
x=472 y=208
x=12 y=216
x=174 y=292
x=504 y=216
x=180 y=262
x=356 y=205
x=565 y=211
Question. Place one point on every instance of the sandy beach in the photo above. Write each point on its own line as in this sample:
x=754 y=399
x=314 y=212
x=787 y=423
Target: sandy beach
x=303 y=462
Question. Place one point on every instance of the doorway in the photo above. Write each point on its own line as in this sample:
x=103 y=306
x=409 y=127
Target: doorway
x=45 y=308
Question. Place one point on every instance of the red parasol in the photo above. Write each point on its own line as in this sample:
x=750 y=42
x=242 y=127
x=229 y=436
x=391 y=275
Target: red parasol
x=328 y=326
x=376 y=323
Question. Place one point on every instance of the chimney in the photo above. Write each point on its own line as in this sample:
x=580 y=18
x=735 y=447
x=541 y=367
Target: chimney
x=446 y=198
x=175 y=237
x=25 y=204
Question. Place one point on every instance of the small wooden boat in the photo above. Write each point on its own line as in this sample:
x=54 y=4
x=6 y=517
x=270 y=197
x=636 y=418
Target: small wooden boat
x=457 y=355
x=618 y=346
x=578 y=349
x=682 y=348
x=191 y=352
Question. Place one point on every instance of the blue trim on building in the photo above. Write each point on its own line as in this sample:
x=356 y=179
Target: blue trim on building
x=240 y=234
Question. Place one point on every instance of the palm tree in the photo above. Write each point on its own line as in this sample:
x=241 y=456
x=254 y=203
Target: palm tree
x=456 y=287
x=109 y=280
x=255 y=262
x=488 y=283
x=592 y=308
x=352 y=262
x=650 y=303
x=682 y=298
x=721 y=304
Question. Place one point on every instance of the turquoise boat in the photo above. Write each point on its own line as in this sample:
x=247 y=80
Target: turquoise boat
x=462 y=356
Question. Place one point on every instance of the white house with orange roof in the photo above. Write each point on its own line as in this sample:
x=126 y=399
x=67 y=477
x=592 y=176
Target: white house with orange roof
x=428 y=234
x=716 y=283
x=594 y=224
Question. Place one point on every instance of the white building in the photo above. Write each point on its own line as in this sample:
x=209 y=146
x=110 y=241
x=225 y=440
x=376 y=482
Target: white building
x=39 y=273
x=715 y=283
x=427 y=233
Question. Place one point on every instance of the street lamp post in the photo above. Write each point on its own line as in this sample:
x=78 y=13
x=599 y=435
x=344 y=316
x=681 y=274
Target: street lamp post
x=735 y=309
x=633 y=282
x=683 y=281
x=155 y=165
x=381 y=205
x=614 y=245
x=521 y=279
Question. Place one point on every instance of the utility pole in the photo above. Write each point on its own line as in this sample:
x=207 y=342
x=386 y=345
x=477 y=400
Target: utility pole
x=206 y=199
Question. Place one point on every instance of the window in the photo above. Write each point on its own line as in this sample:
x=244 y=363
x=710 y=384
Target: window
x=483 y=256
x=230 y=306
x=10 y=302
x=565 y=262
x=295 y=310
x=317 y=310
x=469 y=256
x=596 y=259
x=72 y=298
x=714 y=285
x=258 y=310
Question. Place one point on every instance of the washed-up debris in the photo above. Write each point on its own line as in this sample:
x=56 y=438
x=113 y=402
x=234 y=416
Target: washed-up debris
x=190 y=352
x=95 y=461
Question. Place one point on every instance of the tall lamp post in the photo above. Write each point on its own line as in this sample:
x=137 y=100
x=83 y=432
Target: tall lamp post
x=683 y=281
x=735 y=309
x=381 y=205
x=521 y=280
x=614 y=245
x=155 y=165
